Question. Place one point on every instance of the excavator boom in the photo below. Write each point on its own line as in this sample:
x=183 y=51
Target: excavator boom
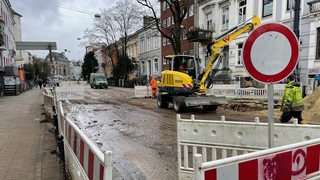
x=223 y=40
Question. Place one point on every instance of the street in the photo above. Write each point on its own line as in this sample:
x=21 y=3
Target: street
x=141 y=136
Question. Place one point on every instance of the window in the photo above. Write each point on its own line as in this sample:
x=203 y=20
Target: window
x=164 y=23
x=209 y=20
x=184 y=34
x=290 y=4
x=169 y=21
x=267 y=8
x=172 y=20
x=318 y=44
x=143 y=68
x=225 y=58
x=164 y=41
x=148 y=47
x=141 y=45
x=156 y=65
x=156 y=41
x=191 y=10
x=242 y=11
x=164 y=6
x=225 y=17
x=239 y=58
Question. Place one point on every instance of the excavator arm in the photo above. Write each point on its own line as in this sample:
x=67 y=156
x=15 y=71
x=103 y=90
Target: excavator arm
x=219 y=43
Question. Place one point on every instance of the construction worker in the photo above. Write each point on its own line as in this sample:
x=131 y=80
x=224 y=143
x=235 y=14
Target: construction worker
x=154 y=86
x=159 y=81
x=183 y=67
x=292 y=102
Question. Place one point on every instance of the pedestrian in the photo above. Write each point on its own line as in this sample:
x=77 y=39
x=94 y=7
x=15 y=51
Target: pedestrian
x=40 y=83
x=292 y=102
x=154 y=86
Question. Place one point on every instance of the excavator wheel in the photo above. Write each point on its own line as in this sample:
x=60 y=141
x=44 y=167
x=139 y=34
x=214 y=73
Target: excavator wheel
x=179 y=104
x=161 y=101
x=209 y=107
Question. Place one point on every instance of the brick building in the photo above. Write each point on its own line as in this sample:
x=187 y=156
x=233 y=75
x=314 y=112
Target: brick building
x=167 y=24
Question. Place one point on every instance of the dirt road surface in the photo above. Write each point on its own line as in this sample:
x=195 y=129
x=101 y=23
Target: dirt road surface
x=141 y=136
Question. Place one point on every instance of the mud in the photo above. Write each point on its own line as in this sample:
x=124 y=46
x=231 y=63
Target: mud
x=141 y=136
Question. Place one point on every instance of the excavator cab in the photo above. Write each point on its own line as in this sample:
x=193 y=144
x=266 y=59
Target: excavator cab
x=184 y=63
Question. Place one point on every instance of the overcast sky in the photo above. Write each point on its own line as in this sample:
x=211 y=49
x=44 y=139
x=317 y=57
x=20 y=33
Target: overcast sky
x=61 y=21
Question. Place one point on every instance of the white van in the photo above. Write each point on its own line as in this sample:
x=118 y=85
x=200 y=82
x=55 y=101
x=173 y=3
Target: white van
x=98 y=80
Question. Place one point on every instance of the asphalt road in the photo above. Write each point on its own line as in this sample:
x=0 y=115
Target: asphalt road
x=141 y=136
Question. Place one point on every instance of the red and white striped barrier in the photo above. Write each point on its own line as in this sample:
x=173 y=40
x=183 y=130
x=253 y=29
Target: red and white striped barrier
x=294 y=161
x=95 y=164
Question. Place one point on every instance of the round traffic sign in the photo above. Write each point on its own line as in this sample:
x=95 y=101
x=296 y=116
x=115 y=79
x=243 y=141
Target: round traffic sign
x=270 y=53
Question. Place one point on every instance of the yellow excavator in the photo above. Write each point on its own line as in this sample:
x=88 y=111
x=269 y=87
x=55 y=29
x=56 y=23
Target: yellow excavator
x=185 y=86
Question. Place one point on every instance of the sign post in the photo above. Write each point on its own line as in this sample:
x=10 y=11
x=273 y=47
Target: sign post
x=270 y=54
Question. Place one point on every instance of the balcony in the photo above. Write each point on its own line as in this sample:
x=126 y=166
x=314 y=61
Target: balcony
x=314 y=6
x=199 y=35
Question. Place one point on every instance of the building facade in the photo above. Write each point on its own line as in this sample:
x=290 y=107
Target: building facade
x=75 y=70
x=168 y=23
x=61 y=65
x=7 y=43
x=133 y=53
x=220 y=16
x=150 y=51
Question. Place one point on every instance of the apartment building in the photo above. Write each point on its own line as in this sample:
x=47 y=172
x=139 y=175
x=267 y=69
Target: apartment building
x=150 y=51
x=7 y=42
x=168 y=23
x=221 y=15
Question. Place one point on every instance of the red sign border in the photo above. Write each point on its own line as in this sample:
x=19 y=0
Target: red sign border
x=247 y=61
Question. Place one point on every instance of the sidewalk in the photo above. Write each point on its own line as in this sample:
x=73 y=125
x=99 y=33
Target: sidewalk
x=25 y=142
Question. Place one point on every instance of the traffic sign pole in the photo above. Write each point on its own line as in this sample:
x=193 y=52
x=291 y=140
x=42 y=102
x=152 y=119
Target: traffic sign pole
x=270 y=115
x=270 y=54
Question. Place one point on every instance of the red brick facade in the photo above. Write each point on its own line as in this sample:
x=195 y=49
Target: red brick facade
x=188 y=22
x=106 y=58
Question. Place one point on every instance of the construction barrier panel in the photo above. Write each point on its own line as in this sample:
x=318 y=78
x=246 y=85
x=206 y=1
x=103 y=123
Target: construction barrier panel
x=220 y=139
x=49 y=102
x=69 y=93
x=83 y=158
x=142 y=91
x=294 y=161
x=245 y=93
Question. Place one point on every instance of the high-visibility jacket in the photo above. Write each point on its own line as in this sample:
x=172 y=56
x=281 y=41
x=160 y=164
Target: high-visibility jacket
x=153 y=83
x=293 y=96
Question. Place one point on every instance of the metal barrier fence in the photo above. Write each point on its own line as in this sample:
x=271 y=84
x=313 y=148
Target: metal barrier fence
x=219 y=139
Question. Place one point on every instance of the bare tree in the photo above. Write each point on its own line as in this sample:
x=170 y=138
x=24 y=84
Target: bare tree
x=128 y=18
x=179 y=9
x=104 y=33
x=114 y=26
